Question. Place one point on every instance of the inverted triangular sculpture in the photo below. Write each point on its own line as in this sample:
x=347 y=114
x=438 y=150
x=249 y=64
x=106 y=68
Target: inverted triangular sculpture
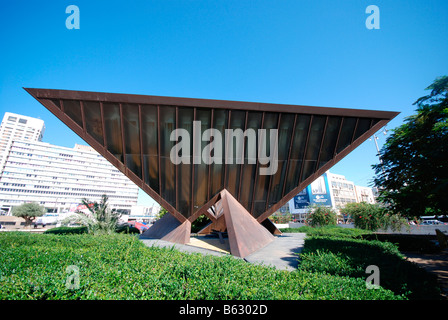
x=133 y=132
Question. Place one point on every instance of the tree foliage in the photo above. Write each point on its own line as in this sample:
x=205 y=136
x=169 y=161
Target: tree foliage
x=29 y=212
x=100 y=219
x=372 y=217
x=161 y=213
x=412 y=177
x=321 y=216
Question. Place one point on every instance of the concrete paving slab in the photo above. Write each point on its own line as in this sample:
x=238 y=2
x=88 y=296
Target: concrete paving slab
x=280 y=253
x=181 y=247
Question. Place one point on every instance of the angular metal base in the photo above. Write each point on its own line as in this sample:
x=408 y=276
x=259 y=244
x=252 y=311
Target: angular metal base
x=168 y=228
x=268 y=224
x=245 y=234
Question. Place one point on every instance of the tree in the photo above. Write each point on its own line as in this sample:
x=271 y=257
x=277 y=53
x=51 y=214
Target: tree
x=101 y=219
x=372 y=217
x=28 y=211
x=161 y=213
x=321 y=216
x=412 y=177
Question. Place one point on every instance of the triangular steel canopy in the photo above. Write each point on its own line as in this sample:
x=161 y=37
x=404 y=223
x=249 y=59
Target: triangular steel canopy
x=133 y=132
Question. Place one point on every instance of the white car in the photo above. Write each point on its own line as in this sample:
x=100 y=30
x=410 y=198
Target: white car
x=48 y=218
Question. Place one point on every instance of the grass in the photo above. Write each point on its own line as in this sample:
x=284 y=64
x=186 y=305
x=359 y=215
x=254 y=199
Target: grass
x=120 y=266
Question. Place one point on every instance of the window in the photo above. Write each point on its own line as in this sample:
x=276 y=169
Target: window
x=24 y=121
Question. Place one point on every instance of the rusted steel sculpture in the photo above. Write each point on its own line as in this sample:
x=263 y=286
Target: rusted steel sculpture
x=257 y=156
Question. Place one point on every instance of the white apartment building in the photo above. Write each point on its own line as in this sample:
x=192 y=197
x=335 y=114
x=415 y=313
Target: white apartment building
x=59 y=178
x=365 y=194
x=18 y=127
x=342 y=190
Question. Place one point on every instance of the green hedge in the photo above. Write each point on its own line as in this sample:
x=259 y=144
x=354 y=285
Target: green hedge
x=67 y=230
x=124 y=228
x=33 y=266
x=405 y=242
x=408 y=242
x=328 y=231
x=344 y=256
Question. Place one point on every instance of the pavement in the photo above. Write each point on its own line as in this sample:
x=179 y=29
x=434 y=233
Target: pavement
x=280 y=253
x=435 y=263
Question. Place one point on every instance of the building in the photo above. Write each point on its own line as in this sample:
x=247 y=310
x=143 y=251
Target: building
x=59 y=178
x=18 y=127
x=330 y=189
x=270 y=153
x=316 y=193
x=365 y=194
x=144 y=213
x=343 y=190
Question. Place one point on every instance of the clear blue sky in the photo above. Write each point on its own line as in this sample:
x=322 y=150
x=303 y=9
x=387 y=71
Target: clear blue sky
x=317 y=53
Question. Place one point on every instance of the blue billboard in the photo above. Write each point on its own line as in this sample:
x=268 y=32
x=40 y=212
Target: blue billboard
x=318 y=192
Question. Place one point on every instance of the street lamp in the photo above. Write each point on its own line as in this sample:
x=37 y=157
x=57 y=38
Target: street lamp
x=375 y=138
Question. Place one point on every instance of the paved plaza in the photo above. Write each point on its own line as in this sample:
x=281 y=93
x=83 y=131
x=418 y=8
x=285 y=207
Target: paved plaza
x=280 y=253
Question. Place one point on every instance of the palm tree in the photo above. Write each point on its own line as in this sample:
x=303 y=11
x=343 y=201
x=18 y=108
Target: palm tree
x=101 y=218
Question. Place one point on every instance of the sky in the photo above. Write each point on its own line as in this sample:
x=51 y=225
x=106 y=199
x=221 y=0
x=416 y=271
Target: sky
x=316 y=53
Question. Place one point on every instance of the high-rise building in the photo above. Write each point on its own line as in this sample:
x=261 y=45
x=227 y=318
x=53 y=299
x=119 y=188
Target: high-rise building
x=56 y=177
x=59 y=178
x=18 y=127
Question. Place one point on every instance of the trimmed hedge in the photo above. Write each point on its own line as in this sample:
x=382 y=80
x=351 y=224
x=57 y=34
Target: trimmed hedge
x=67 y=230
x=122 y=228
x=408 y=242
x=405 y=242
x=33 y=266
x=344 y=256
x=328 y=231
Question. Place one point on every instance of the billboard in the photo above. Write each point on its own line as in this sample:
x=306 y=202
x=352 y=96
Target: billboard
x=318 y=192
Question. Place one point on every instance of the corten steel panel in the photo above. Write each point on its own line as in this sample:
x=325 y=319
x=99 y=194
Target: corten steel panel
x=133 y=133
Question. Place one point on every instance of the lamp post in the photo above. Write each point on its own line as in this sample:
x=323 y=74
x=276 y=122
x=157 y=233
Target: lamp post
x=375 y=138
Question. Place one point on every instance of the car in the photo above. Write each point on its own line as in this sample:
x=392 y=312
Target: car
x=431 y=222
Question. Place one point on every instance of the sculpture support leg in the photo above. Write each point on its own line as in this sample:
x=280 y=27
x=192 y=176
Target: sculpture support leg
x=246 y=234
x=169 y=229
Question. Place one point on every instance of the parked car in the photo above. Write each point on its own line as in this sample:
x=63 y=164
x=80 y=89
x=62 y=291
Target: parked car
x=431 y=222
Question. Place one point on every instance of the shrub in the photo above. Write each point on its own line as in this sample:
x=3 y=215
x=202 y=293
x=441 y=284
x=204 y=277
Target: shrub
x=321 y=216
x=332 y=230
x=373 y=217
x=127 y=228
x=281 y=217
x=100 y=220
x=199 y=223
x=408 y=242
x=122 y=228
x=350 y=257
x=365 y=215
x=112 y=267
x=66 y=230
